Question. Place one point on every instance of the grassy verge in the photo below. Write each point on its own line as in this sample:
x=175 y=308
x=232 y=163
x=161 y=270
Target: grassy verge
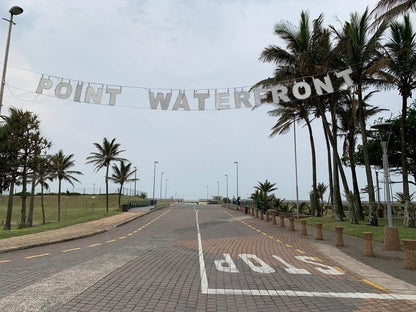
x=328 y=223
x=74 y=209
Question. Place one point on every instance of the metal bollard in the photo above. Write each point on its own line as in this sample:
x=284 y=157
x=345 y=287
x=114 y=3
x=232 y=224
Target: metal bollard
x=340 y=238
x=368 y=244
x=319 y=234
x=304 y=230
x=282 y=221
x=410 y=254
x=292 y=224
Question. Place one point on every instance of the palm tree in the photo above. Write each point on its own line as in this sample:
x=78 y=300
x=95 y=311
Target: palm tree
x=44 y=174
x=262 y=196
x=388 y=9
x=401 y=73
x=60 y=165
x=359 y=47
x=107 y=153
x=321 y=191
x=122 y=175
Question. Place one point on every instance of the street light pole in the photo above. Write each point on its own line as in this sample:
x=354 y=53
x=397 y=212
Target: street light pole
x=154 y=177
x=207 y=193
x=135 y=179
x=236 y=162
x=387 y=183
x=13 y=11
x=296 y=170
x=166 y=188
x=218 y=192
x=226 y=176
x=161 y=181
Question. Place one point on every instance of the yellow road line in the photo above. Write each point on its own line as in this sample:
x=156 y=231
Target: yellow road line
x=4 y=261
x=122 y=237
x=374 y=284
x=37 y=256
x=69 y=250
x=289 y=246
x=93 y=245
x=300 y=251
x=111 y=241
x=339 y=269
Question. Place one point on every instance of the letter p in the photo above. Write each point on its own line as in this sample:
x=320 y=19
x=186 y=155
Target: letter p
x=44 y=84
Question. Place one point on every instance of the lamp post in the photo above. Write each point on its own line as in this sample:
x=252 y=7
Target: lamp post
x=161 y=179
x=296 y=169
x=236 y=162
x=391 y=235
x=13 y=11
x=135 y=179
x=218 y=192
x=207 y=193
x=154 y=177
x=166 y=188
x=226 y=179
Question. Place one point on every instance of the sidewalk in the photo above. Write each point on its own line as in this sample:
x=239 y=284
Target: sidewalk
x=71 y=232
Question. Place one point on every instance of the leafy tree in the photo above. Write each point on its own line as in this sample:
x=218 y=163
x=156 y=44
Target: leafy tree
x=261 y=195
x=61 y=164
x=106 y=153
x=121 y=175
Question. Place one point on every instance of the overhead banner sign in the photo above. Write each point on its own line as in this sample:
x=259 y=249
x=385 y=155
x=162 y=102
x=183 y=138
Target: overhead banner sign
x=201 y=99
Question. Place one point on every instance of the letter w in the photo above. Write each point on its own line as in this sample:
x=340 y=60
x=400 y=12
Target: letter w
x=160 y=99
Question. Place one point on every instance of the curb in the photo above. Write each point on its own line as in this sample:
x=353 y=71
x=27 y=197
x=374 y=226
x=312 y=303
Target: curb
x=79 y=236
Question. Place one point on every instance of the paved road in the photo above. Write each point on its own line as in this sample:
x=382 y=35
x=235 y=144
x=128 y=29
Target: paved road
x=189 y=258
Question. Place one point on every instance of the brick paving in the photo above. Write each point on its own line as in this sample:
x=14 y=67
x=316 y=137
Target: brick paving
x=163 y=272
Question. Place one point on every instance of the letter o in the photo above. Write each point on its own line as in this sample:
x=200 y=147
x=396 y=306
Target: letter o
x=305 y=86
x=58 y=90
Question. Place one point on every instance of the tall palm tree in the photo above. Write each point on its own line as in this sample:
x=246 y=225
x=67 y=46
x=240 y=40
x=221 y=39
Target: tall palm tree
x=401 y=73
x=321 y=191
x=122 y=175
x=388 y=9
x=44 y=174
x=60 y=165
x=359 y=47
x=106 y=153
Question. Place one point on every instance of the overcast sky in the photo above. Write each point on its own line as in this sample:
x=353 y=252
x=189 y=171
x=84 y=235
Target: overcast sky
x=159 y=44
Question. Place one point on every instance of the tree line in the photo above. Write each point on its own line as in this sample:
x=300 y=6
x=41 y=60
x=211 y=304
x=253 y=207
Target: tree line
x=24 y=160
x=380 y=48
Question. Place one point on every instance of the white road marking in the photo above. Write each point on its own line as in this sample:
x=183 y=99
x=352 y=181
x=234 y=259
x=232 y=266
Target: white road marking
x=284 y=293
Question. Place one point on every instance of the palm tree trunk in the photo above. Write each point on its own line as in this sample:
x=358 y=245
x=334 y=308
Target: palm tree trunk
x=314 y=199
x=59 y=200
x=330 y=180
x=32 y=201
x=42 y=205
x=358 y=206
x=22 y=223
x=8 y=221
x=337 y=200
x=106 y=189
x=337 y=215
x=372 y=216
x=408 y=218
x=119 y=194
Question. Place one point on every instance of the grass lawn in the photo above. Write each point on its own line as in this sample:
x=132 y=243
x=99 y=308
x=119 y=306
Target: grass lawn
x=74 y=209
x=328 y=223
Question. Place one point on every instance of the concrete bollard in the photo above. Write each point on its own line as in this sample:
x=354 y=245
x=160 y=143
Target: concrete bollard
x=391 y=238
x=261 y=215
x=368 y=244
x=267 y=216
x=282 y=221
x=409 y=254
x=303 y=230
x=252 y=211
x=257 y=213
x=292 y=224
x=273 y=218
x=318 y=234
x=340 y=238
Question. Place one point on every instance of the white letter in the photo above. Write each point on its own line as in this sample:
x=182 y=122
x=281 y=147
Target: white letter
x=220 y=98
x=201 y=99
x=181 y=102
x=77 y=93
x=113 y=92
x=90 y=94
x=320 y=85
x=260 y=94
x=44 y=84
x=160 y=99
x=279 y=92
x=263 y=268
x=304 y=85
x=226 y=265
x=345 y=74
x=329 y=270
x=242 y=97
x=290 y=268
x=60 y=86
